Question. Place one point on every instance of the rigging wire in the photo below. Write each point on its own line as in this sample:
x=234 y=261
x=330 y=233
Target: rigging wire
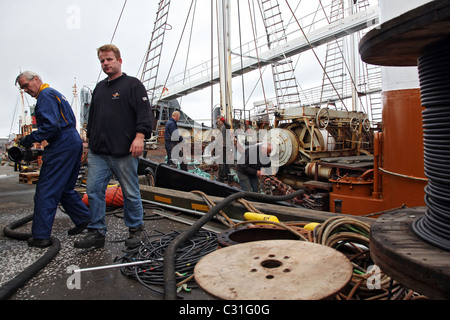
x=281 y=96
x=257 y=57
x=118 y=21
x=212 y=67
x=14 y=116
x=21 y=98
x=315 y=54
x=178 y=46
x=352 y=80
x=299 y=55
x=189 y=45
x=114 y=33
x=241 y=60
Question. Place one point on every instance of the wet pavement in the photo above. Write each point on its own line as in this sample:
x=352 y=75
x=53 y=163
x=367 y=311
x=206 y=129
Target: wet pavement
x=56 y=281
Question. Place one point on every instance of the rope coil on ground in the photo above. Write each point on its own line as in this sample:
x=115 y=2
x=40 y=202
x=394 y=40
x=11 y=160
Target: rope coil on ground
x=351 y=237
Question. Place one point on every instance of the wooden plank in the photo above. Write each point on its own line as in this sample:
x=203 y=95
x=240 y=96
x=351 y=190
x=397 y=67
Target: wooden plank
x=349 y=159
x=313 y=184
x=188 y=200
x=29 y=177
x=186 y=221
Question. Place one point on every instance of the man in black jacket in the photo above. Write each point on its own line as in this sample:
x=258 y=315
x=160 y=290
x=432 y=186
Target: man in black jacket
x=255 y=162
x=120 y=118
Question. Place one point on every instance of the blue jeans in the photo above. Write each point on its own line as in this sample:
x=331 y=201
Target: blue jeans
x=248 y=183
x=100 y=169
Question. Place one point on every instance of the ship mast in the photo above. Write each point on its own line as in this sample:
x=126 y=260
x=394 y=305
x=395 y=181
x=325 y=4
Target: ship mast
x=75 y=105
x=225 y=59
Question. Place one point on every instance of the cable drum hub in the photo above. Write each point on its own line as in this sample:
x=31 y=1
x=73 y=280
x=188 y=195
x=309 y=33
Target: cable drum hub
x=434 y=77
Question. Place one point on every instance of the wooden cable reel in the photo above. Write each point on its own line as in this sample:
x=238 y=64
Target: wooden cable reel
x=274 y=270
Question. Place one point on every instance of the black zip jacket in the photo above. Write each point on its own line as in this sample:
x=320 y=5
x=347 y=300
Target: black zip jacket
x=253 y=160
x=119 y=109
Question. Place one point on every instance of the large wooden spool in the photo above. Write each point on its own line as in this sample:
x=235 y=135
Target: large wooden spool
x=394 y=246
x=274 y=270
x=400 y=253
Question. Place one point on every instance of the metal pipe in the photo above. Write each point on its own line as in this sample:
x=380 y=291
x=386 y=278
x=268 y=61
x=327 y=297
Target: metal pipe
x=126 y=264
x=376 y=162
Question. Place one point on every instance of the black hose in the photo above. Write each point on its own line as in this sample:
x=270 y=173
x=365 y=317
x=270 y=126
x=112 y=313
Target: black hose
x=434 y=76
x=151 y=274
x=7 y=290
x=170 y=289
x=18 y=154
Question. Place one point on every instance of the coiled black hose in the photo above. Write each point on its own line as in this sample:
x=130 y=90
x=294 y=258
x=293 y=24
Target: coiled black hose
x=7 y=290
x=434 y=76
x=170 y=290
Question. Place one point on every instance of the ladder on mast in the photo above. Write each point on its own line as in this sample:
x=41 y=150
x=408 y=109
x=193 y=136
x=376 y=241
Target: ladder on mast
x=334 y=75
x=336 y=82
x=153 y=53
x=372 y=82
x=286 y=88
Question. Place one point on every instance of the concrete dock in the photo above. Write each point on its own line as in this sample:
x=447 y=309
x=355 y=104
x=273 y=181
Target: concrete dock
x=51 y=283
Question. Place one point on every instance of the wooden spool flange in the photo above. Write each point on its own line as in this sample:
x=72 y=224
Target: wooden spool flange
x=401 y=254
x=394 y=247
x=274 y=270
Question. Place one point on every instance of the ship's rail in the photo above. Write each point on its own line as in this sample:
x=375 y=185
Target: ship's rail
x=320 y=32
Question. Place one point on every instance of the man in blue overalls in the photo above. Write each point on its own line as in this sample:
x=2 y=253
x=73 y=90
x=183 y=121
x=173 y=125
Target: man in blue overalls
x=61 y=160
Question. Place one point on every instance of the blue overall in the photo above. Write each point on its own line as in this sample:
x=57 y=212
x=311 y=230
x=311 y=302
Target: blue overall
x=61 y=163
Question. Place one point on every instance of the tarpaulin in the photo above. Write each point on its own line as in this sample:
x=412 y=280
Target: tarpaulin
x=113 y=197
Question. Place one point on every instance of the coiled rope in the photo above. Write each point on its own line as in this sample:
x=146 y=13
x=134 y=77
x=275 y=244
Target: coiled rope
x=351 y=236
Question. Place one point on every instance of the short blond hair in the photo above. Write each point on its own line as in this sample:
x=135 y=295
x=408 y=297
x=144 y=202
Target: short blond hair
x=109 y=47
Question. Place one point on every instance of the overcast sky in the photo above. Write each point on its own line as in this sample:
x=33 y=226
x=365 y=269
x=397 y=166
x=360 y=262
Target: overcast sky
x=58 y=40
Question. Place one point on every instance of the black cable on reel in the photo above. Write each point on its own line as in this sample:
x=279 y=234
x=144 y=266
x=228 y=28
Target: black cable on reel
x=434 y=76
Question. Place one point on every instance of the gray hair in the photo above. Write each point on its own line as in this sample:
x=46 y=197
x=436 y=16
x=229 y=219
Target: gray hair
x=27 y=74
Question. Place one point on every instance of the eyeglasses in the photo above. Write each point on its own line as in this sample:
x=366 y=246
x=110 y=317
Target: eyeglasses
x=25 y=85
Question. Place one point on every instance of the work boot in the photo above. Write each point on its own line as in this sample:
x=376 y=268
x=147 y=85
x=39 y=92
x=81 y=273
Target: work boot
x=136 y=237
x=78 y=229
x=39 y=243
x=93 y=239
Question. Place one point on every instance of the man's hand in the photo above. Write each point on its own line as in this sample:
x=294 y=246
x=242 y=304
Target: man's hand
x=137 y=147
x=26 y=142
